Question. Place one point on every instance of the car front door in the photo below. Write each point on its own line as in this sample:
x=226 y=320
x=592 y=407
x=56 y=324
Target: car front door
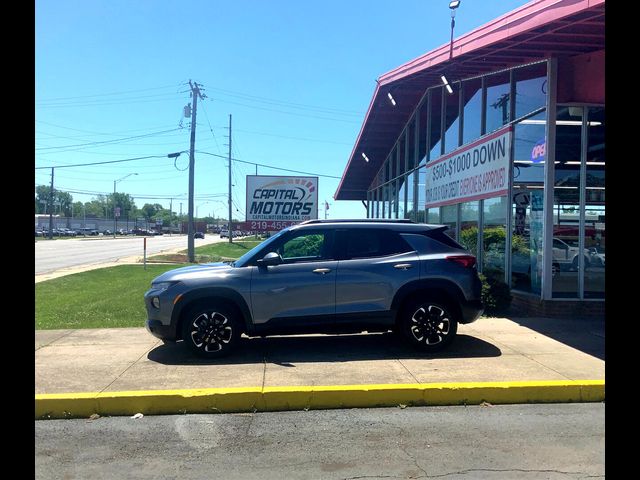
x=301 y=291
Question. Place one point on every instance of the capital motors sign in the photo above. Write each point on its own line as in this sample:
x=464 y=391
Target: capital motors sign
x=292 y=199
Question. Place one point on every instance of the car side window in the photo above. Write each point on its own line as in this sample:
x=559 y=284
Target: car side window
x=370 y=243
x=306 y=247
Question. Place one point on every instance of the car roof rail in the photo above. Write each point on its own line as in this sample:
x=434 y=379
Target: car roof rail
x=358 y=220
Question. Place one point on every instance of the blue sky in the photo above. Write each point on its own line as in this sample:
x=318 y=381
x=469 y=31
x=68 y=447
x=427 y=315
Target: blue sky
x=296 y=76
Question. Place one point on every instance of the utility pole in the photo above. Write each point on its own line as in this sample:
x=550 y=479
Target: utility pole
x=170 y=215
x=195 y=93
x=51 y=207
x=115 y=219
x=230 y=212
x=180 y=218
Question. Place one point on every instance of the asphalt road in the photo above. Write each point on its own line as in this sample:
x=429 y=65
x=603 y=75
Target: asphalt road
x=51 y=255
x=557 y=441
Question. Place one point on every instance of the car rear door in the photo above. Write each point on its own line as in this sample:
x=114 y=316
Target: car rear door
x=373 y=264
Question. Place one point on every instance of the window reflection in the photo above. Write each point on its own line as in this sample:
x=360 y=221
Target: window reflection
x=472 y=99
x=531 y=88
x=452 y=120
x=469 y=215
x=497 y=113
x=594 y=232
x=449 y=217
x=494 y=237
x=435 y=109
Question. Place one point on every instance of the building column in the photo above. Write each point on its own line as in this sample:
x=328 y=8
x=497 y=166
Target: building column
x=549 y=180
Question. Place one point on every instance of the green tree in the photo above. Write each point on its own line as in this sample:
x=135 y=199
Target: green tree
x=124 y=201
x=166 y=216
x=149 y=211
x=96 y=208
x=65 y=200
x=62 y=201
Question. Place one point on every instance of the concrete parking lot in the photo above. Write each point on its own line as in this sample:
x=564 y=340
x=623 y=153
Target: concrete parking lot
x=105 y=361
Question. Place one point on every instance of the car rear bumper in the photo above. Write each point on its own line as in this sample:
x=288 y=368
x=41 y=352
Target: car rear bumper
x=471 y=311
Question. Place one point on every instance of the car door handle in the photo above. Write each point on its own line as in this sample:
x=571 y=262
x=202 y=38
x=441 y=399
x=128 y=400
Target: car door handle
x=402 y=266
x=322 y=271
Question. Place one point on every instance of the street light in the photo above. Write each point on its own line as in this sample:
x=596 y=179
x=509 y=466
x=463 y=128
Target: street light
x=199 y=207
x=453 y=5
x=115 y=219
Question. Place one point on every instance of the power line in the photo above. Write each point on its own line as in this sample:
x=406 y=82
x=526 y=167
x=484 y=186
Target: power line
x=269 y=166
x=102 y=163
x=99 y=133
x=110 y=141
x=99 y=104
x=285 y=112
x=210 y=129
x=338 y=111
x=116 y=93
x=293 y=138
x=139 y=195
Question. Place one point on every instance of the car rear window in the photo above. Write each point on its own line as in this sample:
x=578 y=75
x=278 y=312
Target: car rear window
x=367 y=243
x=439 y=235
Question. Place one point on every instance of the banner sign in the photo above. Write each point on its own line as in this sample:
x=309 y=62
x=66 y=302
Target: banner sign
x=262 y=226
x=473 y=172
x=281 y=199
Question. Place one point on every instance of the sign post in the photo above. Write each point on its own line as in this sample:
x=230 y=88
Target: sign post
x=145 y=253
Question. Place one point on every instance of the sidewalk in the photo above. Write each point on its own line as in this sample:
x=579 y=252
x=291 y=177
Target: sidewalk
x=116 y=371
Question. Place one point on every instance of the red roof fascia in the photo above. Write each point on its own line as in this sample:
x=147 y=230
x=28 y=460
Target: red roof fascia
x=528 y=17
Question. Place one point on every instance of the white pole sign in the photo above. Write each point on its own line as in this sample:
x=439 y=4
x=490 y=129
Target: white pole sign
x=282 y=199
x=473 y=172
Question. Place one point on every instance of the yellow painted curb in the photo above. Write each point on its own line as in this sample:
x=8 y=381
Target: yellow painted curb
x=226 y=400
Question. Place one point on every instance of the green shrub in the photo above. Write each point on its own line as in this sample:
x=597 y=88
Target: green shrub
x=495 y=294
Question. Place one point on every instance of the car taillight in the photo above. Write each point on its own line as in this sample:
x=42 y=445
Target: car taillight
x=467 y=261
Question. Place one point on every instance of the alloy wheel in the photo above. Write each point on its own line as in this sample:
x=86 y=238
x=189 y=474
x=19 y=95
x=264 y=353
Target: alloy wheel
x=211 y=332
x=430 y=325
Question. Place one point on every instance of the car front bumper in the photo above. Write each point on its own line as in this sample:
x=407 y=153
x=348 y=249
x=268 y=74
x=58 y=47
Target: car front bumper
x=161 y=331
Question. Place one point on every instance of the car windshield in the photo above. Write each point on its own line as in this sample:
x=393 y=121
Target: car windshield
x=242 y=261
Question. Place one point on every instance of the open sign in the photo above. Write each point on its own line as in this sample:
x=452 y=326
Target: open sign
x=538 y=151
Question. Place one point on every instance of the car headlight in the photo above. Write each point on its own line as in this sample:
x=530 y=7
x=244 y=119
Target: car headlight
x=162 y=286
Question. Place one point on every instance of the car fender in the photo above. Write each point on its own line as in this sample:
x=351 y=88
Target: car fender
x=213 y=293
x=435 y=285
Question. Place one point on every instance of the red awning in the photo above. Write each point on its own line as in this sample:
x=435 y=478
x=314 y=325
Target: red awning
x=538 y=30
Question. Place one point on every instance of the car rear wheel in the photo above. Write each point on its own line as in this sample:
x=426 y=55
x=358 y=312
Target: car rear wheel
x=212 y=331
x=428 y=325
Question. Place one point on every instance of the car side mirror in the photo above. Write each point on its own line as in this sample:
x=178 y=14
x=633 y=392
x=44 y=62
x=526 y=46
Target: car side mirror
x=270 y=259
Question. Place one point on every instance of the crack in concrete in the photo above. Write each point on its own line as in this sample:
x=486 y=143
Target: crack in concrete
x=55 y=340
x=530 y=358
x=519 y=470
x=465 y=472
x=408 y=371
x=146 y=352
x=372 y=476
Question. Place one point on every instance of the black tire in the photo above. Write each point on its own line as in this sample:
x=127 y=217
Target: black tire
x=432 y=332
x=575 y=261
x=211 y=331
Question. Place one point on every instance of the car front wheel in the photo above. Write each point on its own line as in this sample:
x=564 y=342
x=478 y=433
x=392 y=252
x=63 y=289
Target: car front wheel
x=211 y=332
x=429 y=325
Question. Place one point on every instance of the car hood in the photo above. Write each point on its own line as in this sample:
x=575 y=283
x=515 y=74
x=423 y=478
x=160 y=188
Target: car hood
x=206 y=270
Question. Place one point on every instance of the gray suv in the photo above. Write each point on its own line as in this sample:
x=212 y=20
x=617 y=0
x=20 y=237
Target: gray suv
x=339 y=276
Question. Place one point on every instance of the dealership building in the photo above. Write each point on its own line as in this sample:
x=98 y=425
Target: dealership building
x=500 y=135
